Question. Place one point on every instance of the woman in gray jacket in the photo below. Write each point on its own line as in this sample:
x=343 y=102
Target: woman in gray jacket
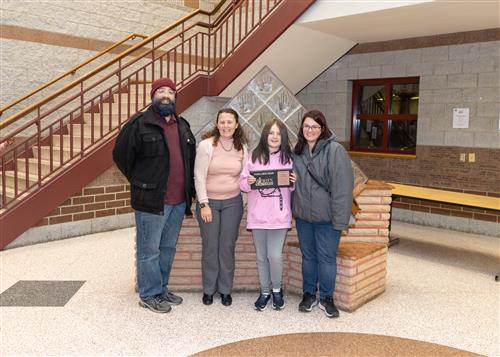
x=321 y=206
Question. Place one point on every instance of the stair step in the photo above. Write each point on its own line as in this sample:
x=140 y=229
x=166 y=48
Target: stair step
x=140 y=89
x=106 y=109
x=9 y=192
x=33 y=166
x=10 y=179
x=45 y=152
x=133 y=98
x=87 y=130
x=66 y=142
x=87 y=118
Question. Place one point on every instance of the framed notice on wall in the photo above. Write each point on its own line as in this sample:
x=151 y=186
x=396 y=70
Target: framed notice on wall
x=460 y=118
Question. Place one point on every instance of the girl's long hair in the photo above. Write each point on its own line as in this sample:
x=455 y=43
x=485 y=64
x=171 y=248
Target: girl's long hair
x=261 y=152
x=239 y=137
x=319 y=118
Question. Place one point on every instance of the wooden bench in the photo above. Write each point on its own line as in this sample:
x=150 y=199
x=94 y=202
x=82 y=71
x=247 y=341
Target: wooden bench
x=458 y=198
x=450 y=197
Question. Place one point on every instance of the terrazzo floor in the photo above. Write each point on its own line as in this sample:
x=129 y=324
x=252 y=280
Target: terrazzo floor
x=440 y=289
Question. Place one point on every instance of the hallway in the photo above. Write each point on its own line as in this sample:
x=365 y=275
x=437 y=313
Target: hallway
x=440 y=289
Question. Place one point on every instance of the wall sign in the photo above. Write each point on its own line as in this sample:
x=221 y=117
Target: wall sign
x=460 y=118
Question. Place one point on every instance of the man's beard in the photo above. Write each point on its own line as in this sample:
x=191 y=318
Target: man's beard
x=164 y=109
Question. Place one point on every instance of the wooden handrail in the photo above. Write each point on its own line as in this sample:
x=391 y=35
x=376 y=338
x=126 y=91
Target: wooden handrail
x=86 y=76
x=71 y=71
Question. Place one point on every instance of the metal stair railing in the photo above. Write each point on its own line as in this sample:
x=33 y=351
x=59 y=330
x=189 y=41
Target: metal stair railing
x=72 y=71
x=75 y=120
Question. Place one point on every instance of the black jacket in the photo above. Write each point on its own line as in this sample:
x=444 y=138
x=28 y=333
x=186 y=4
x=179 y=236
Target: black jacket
x=141 y=153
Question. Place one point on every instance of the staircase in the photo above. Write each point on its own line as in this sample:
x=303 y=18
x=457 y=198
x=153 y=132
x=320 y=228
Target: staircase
x=59 y=144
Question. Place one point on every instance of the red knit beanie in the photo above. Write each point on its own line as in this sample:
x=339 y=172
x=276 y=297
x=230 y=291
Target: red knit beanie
x=162 y=82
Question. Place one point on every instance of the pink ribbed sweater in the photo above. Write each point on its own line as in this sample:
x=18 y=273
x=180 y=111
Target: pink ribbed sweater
x=217 y=172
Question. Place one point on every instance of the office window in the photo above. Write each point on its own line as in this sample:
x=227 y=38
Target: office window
x=384 y=115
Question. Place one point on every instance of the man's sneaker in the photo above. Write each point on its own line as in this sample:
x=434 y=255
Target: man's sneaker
x=156 y=304
x=326 y=304
x=262 y=301
x=278 y=301
x=172 y=299
x=308 y=302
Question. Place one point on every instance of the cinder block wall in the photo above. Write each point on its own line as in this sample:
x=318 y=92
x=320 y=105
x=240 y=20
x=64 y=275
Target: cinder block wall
x=456 y=71
x=43 y=39
x=451 y=76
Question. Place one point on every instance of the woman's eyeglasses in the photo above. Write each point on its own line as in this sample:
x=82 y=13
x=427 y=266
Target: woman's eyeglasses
x=311 y=127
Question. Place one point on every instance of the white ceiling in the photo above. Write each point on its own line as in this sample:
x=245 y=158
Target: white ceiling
x=296 y=57
x=370 y=21
x=329 y=28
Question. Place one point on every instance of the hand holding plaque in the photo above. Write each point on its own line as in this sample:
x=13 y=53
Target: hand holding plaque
x=271 y=179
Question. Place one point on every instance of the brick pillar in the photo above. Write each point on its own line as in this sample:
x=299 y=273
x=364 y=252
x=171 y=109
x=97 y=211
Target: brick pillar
x=361 y=262
x=372 y=220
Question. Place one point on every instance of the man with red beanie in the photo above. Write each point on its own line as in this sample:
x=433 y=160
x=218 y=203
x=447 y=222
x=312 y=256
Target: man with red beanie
x=155 y=151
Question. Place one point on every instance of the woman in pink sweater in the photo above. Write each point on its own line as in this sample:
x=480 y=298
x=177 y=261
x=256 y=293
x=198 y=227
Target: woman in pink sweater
x=269 y=213
x=219 y=161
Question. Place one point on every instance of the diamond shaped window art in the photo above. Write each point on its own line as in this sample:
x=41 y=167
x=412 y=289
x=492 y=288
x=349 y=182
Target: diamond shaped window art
x=265 y=98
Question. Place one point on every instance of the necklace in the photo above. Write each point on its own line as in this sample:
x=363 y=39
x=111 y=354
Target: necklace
x=222 y=146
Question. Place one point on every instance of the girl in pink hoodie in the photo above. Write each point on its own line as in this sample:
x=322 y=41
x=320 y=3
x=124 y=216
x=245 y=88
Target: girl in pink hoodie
x=269 y=213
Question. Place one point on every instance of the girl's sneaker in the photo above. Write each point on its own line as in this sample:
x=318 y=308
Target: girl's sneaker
x=278 y=301
x=262 y=301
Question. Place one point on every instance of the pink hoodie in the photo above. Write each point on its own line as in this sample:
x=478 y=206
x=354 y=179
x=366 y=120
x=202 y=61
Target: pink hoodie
x=264 y=212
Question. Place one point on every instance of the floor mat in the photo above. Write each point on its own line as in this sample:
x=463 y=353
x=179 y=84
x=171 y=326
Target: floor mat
x=40 y=293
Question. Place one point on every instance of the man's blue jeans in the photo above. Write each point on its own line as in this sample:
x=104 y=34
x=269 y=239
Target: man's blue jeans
x=156 y=240
x=319 y=244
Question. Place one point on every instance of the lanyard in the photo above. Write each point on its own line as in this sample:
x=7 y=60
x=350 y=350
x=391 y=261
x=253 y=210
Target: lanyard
x=276 y=192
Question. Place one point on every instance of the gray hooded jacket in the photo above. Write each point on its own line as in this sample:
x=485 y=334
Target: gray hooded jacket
x=331 y=166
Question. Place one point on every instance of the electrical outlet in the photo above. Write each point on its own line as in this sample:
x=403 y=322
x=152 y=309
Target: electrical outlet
x=472 y=157
x=462 y=157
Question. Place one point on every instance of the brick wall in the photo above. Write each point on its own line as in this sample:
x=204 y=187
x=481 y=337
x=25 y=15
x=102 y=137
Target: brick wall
x=107 y=195
x=445 y=209
x=361 y=267
x=439 y=167
x=91 y=202
x=361 y=261
x=361 y=273
x=186 y=271
x=372 y=220
x=102 y=205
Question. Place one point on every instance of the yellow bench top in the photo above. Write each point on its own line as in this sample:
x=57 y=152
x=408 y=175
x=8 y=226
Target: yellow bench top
x=433 y=194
